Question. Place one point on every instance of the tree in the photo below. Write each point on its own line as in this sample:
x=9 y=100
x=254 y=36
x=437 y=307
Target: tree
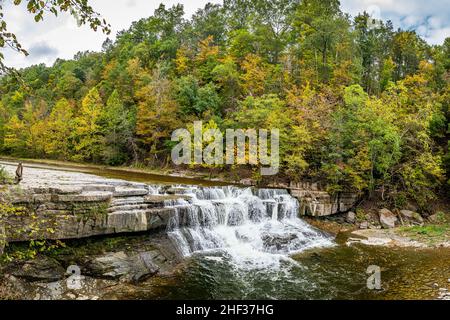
x=3 y=121
x=408 y=50
x=226 y=77
x=209 y=22
x=117 y=130
x=420 y=170
x=59 y=129
x=366 y=144
x=87 y=134
x=68 y=85
x=375 y=47
x=15 y=136
x=321 y=26
x=195 y=99
x=24 y=136
x=255 y=75
x=267 y=112
x=206 y=59
x=157 y=116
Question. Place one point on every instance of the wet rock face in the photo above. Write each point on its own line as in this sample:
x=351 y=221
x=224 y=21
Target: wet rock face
x=278 y=242
x=42 y=269
x=127 y=261
x=317 y=203
x=119 y=265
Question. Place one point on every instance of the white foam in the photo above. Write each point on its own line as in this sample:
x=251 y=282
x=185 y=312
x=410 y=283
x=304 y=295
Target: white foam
x=255 y=231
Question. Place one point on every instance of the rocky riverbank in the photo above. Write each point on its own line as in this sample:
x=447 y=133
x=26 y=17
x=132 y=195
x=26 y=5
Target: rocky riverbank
x=113 y=234
x=68 y=205
x=88 y=269
x=383 y=227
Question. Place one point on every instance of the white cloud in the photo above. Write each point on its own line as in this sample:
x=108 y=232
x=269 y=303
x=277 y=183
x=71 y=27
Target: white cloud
x=431 y=18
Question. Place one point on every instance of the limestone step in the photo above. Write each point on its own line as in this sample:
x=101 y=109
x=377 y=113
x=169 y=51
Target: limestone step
x=127 y=201
x=128 y=207
x=125 y=192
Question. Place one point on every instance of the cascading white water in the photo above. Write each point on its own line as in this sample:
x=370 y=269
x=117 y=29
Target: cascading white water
x=256 y=229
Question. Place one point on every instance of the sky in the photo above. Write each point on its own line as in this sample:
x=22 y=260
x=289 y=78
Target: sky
x=62 y=38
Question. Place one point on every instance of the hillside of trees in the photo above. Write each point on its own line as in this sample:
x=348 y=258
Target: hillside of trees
x=359 y=108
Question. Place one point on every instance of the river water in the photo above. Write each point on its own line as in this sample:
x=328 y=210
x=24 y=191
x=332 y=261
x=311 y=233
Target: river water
x=251 y=244
x=244 y=243
x=332 y=273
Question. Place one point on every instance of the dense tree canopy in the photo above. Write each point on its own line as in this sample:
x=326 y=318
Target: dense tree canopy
x=359 y=108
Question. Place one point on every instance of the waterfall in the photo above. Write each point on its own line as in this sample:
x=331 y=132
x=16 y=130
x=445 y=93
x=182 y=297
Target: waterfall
x=253 y=227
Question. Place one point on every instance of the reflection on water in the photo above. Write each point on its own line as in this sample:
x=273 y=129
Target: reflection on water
x=331 y=273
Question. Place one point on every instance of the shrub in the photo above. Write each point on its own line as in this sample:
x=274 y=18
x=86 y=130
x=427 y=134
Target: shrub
x=5 y=178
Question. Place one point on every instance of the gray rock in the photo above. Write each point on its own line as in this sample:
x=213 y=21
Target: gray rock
x=351 y=217
x=133 y=221
x=248 y=182
x=128 y=192
x=320 y=203
x=98 y=188
x=387 y=219
x=412 y=217
x=41 y=269
x=278 y=241
x=121 y=266
x=177 y=190
x=364 y=225
x=435 y=218
x=85 y=197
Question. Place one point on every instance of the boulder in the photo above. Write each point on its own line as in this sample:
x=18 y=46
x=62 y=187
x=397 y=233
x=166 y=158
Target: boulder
x=436 y=218
x=125 y=267
x=40 y=269
x=351 y=217
x=364 y=225
x=387 y=219
x=412 y=217
x=278 y=241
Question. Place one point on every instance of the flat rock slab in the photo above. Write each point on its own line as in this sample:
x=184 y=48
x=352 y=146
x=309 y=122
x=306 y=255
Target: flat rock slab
x=165 y=199
x=60 y=180
x=387 y=238
x=129 y=192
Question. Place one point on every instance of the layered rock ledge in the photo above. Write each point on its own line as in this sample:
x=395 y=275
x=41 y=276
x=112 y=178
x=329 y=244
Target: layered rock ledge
x=318 y=203
x=68 y=205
